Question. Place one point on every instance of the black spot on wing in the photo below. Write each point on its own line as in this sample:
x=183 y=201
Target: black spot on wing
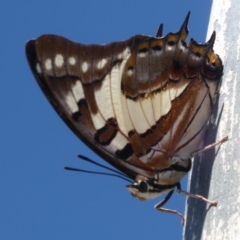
x=107 y=133
x=126 y=152
x=76 y=116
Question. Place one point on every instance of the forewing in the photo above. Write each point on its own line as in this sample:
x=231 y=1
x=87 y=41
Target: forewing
x=82 y=82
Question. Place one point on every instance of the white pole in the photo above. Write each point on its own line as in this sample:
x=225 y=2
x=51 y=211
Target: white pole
x=219 y=178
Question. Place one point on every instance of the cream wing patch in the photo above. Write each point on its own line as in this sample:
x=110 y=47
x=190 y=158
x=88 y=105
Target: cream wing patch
x=84 y=67
x=116 y=77
x=147 y=108
x=98 y=120
x=59 y=61
x=48 y=64
x=104 y=100
x=77 y=91
x=71 y=102
x=137 y=116
x=162 y=101
x=118 y=142
x=38 y=68
x=156 y=101
x=72 y=60
x=127 y=120
x=101 y=64
x=181 y=89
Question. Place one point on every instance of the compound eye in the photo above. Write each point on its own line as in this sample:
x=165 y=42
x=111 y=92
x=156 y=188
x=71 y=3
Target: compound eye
x=142 y=186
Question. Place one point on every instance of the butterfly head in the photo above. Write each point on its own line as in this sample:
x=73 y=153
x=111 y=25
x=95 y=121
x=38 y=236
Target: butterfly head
x=144 y=189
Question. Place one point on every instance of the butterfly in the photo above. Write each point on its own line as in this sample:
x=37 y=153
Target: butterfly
x=143 y=104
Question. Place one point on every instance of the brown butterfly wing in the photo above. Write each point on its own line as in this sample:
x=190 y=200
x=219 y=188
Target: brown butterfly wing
x=136 y=103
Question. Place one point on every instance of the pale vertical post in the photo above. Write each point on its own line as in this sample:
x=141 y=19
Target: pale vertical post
x=218 y=178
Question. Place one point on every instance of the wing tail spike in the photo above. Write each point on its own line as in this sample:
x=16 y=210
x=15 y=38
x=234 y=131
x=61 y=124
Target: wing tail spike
x=183 y=32
x=211 y=41
x=160 y=31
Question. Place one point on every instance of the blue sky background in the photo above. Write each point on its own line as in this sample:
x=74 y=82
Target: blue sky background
x=38 y=199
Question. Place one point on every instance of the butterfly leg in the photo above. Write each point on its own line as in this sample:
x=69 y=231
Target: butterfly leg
x=220 y=142
x=160 y=208
x=180 y=191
